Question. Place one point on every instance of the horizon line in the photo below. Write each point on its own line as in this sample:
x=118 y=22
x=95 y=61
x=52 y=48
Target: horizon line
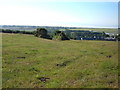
x=65 y=26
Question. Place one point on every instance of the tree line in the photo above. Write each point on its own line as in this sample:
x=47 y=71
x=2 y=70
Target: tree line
x=63 y=35
x=16 y=31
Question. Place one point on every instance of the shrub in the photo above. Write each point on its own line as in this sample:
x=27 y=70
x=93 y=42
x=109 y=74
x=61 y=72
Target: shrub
x=59 y=35
x=42 y=33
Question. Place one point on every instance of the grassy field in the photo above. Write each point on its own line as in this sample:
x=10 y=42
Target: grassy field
x=114 y=31
x=31 y=62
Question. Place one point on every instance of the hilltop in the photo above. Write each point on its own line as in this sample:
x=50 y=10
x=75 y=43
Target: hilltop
x=31 y=62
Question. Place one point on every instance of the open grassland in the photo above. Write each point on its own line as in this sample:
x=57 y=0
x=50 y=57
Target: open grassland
x=31 y=62
x=114 y=31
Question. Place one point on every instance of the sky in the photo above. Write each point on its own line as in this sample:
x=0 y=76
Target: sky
x=94 y=13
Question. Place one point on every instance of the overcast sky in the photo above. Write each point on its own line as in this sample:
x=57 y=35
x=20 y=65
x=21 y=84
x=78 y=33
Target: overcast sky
x=59 y=13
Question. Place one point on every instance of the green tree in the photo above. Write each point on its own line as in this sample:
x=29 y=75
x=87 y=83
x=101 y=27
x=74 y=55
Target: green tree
x=59 y=35
x=42 y=33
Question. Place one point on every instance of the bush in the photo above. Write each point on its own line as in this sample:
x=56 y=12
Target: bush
x=42 y=33
x=59 y=35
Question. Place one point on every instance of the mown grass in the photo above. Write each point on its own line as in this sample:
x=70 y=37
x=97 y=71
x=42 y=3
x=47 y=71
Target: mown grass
x=67 y=64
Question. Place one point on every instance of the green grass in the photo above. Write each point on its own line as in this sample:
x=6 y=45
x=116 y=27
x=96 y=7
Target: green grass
x=88 y=63
x=114 y=31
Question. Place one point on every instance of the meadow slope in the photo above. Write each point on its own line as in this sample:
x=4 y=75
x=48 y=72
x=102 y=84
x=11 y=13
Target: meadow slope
x=67 y=64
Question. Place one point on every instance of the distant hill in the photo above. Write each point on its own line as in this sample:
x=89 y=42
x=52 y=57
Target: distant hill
x=18 y=27
x=53 y=28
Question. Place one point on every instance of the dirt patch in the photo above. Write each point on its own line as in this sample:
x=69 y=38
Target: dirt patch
x=21 y=57
x=63 y=64
x=42 y=79
x=110 y=82
x=101 y=53
x=109 y=56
